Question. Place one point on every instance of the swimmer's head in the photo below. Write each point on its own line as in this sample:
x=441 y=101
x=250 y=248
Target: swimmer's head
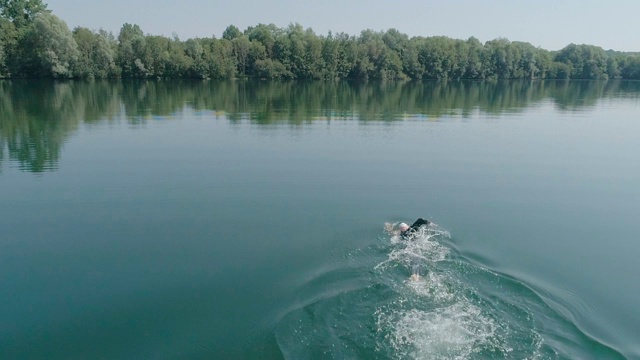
x=403 y=226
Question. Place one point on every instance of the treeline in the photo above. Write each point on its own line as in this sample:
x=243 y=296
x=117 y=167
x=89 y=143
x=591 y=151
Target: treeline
x=36 y=43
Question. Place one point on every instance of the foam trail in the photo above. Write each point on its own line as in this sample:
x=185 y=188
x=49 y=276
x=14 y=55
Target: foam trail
x=433 y=318
x=452 y=332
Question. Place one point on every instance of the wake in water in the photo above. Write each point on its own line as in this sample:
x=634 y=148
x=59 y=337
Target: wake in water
x=419 y=299
x=439 y=316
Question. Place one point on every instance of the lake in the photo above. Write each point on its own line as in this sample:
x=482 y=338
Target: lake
x=245 y=219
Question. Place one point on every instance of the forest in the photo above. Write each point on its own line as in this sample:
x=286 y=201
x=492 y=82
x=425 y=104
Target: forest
x=35 y=43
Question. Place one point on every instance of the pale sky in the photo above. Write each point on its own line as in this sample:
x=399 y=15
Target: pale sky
x=550 y=24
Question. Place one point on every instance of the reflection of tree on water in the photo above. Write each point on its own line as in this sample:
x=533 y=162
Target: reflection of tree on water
x=37 y=117
x=581 y=95
x=32 y=138
x=2 y=145
x=298 y=102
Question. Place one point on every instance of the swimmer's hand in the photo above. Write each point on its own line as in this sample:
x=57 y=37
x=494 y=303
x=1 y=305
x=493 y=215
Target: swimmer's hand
x=415 y=277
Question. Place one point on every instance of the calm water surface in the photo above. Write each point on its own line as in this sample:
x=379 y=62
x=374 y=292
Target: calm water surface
x=197 y=220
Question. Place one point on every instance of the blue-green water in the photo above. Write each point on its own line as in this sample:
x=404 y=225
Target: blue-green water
x=197 y=220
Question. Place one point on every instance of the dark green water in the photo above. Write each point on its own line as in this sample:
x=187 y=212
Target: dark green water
x=199 y=220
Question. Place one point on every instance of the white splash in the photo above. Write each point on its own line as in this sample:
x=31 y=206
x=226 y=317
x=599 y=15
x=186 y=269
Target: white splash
x=452 y=332
x=433 y=319
x=435 y=287
x=421 y=249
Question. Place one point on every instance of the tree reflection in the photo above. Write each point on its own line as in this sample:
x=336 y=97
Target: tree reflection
x=37 y=117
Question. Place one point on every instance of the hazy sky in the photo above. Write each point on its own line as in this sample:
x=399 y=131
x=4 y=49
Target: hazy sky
x=550 y=24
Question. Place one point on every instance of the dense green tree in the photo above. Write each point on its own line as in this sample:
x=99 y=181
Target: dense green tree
x=282 y=51
x=375 y=60
x=96 y=55
x=630 y=67
x=437 y=56
x=395 y=41
x=347 y=52
x=613 y=68
x=21 y=12
x=559 y=70
x=338 y=55
x=257 y=52
x=178 y=63
x=330 y=57
x=8 y=41
x=16 y=18
x=585 y=61
x=503 y=59
x=296 y=41
x=271 y=69
x=411 y=64
x=544 y=62
x=50 y=50
x=131 y=51
x=8 y=32
x=313 y=56
x=528 y=66
x=461 y=58
x=35 y=43
x=242 y=51
x=220 y=59
x=473 y=66
x=157 y=58
x=197 y=65
x=2 y=60
x=231 y=32
x=265 y=35
x=84 y=39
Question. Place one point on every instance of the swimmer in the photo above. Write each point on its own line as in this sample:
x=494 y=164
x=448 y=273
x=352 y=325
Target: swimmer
x=405 y=231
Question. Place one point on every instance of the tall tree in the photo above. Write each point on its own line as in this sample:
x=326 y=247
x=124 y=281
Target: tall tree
x=585 y=61
x=375 y=60
x=439 y=57
x=630 y=67
x=197 y=65
x=338 y=55
x=265 y=35
x=52 y=51
x=16 y=16
x=231 y=32
x=2 y=62
x=131 y=50
x=529 y=65
x=9 y=37
x=156 y=57
x=296 y=40
x=313 y=55
x=241 y=50
x=219 y=57
x=96 y=56
x=503 y=59
x=613 y=68
x=21 y=12
x=473 y=66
